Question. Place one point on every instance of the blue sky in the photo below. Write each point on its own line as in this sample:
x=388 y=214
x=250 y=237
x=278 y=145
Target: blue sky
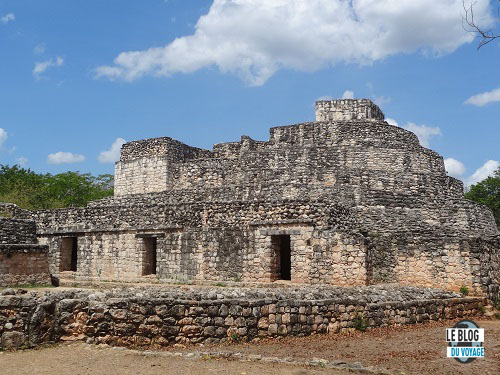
x=206 y=72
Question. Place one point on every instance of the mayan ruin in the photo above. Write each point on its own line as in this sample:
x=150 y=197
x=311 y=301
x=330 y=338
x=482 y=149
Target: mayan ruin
x=346 y=200
x=247 y=187
x=324 y=221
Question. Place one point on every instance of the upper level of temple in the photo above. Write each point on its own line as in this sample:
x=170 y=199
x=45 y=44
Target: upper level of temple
x=347 y=151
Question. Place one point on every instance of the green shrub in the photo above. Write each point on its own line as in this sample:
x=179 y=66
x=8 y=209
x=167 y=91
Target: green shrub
x=360 y=323
x=464 y=290
x=235 y=337
x=496 y=304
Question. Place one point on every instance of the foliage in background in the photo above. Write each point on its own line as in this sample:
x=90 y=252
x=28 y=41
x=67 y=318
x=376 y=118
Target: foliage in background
x=36 y=191
x=487 y=192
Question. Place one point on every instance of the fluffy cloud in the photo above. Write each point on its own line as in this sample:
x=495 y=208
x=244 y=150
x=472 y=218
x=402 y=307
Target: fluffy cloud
x=22 y=161
x=7 y=18
x=255 y=38
x=487 y=169
x=423 y=132
x=3 y=137
x=454 y=167
x=64 y=158
x=484 y=98
x=348 y=94
x=42 y=66
x=391 y=121
x=113 y=154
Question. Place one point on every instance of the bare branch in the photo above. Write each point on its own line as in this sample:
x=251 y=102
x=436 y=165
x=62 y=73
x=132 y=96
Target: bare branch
x=468 y=23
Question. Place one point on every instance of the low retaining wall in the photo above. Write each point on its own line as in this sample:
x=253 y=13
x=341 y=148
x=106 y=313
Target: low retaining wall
x=157 y=318
x=24 y=264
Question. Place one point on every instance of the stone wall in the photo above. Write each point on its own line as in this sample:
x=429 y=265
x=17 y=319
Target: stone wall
x=22 y=260
x=233 y=241
x=218 y=254
x=10 y=210
x=436 y=262
x=168 y=316
x=143 y=175
x=161 y=147
x=347 y=109
x=23 y=264
x=17 y=231
x=145 y=166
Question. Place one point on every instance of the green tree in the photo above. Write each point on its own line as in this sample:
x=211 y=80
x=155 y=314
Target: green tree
x=487 y=192
x=32 y=190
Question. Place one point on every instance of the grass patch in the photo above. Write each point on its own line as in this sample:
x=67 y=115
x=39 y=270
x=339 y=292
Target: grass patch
x=464 y=290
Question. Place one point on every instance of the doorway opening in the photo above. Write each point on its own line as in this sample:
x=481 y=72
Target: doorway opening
x=69 y=254
x=149 y=256
x=283 y=256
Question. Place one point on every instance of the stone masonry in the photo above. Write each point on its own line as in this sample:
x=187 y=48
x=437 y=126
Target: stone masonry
x=160 y=317
x=345 y=200
x=22 y=260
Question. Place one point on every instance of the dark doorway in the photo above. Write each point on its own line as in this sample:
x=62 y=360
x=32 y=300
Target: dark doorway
x=74 y=253
x=283 y=256
x=149 y=258
x=69 y=254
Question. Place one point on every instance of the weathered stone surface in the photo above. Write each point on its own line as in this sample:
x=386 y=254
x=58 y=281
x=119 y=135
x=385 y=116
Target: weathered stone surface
x=360 y=202
x=12 y=340
x=35 y=318
x=22 y=260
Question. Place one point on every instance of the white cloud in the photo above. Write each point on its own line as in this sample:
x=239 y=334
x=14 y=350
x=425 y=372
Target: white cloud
x=348 y=94
x=454 y=167
x=381 y=100
x=423 y=132
x=39 y=49
x=113 y=154
x=64 y=158
x=42 y=66
x=484 y=98
x=7 y=18
x=22 y=161
x=487 y=169
x=3 y=137
x=324 y=97
x=391 y=121
x=255 y=38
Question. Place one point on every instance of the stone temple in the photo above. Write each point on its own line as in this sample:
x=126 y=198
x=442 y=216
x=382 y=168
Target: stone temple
x=345 y=200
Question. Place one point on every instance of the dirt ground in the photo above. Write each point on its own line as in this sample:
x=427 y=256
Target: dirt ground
x=417 y=349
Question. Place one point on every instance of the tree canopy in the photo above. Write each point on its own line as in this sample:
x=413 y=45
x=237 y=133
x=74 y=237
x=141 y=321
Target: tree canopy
x=35 y=191
x=487 y=192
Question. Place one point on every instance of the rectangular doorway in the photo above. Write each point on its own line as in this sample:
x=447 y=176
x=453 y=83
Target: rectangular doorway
x=283 y=257
x=69 y=254
x=149 y=256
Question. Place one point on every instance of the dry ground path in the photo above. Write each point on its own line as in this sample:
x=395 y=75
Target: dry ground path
x=419 y=349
